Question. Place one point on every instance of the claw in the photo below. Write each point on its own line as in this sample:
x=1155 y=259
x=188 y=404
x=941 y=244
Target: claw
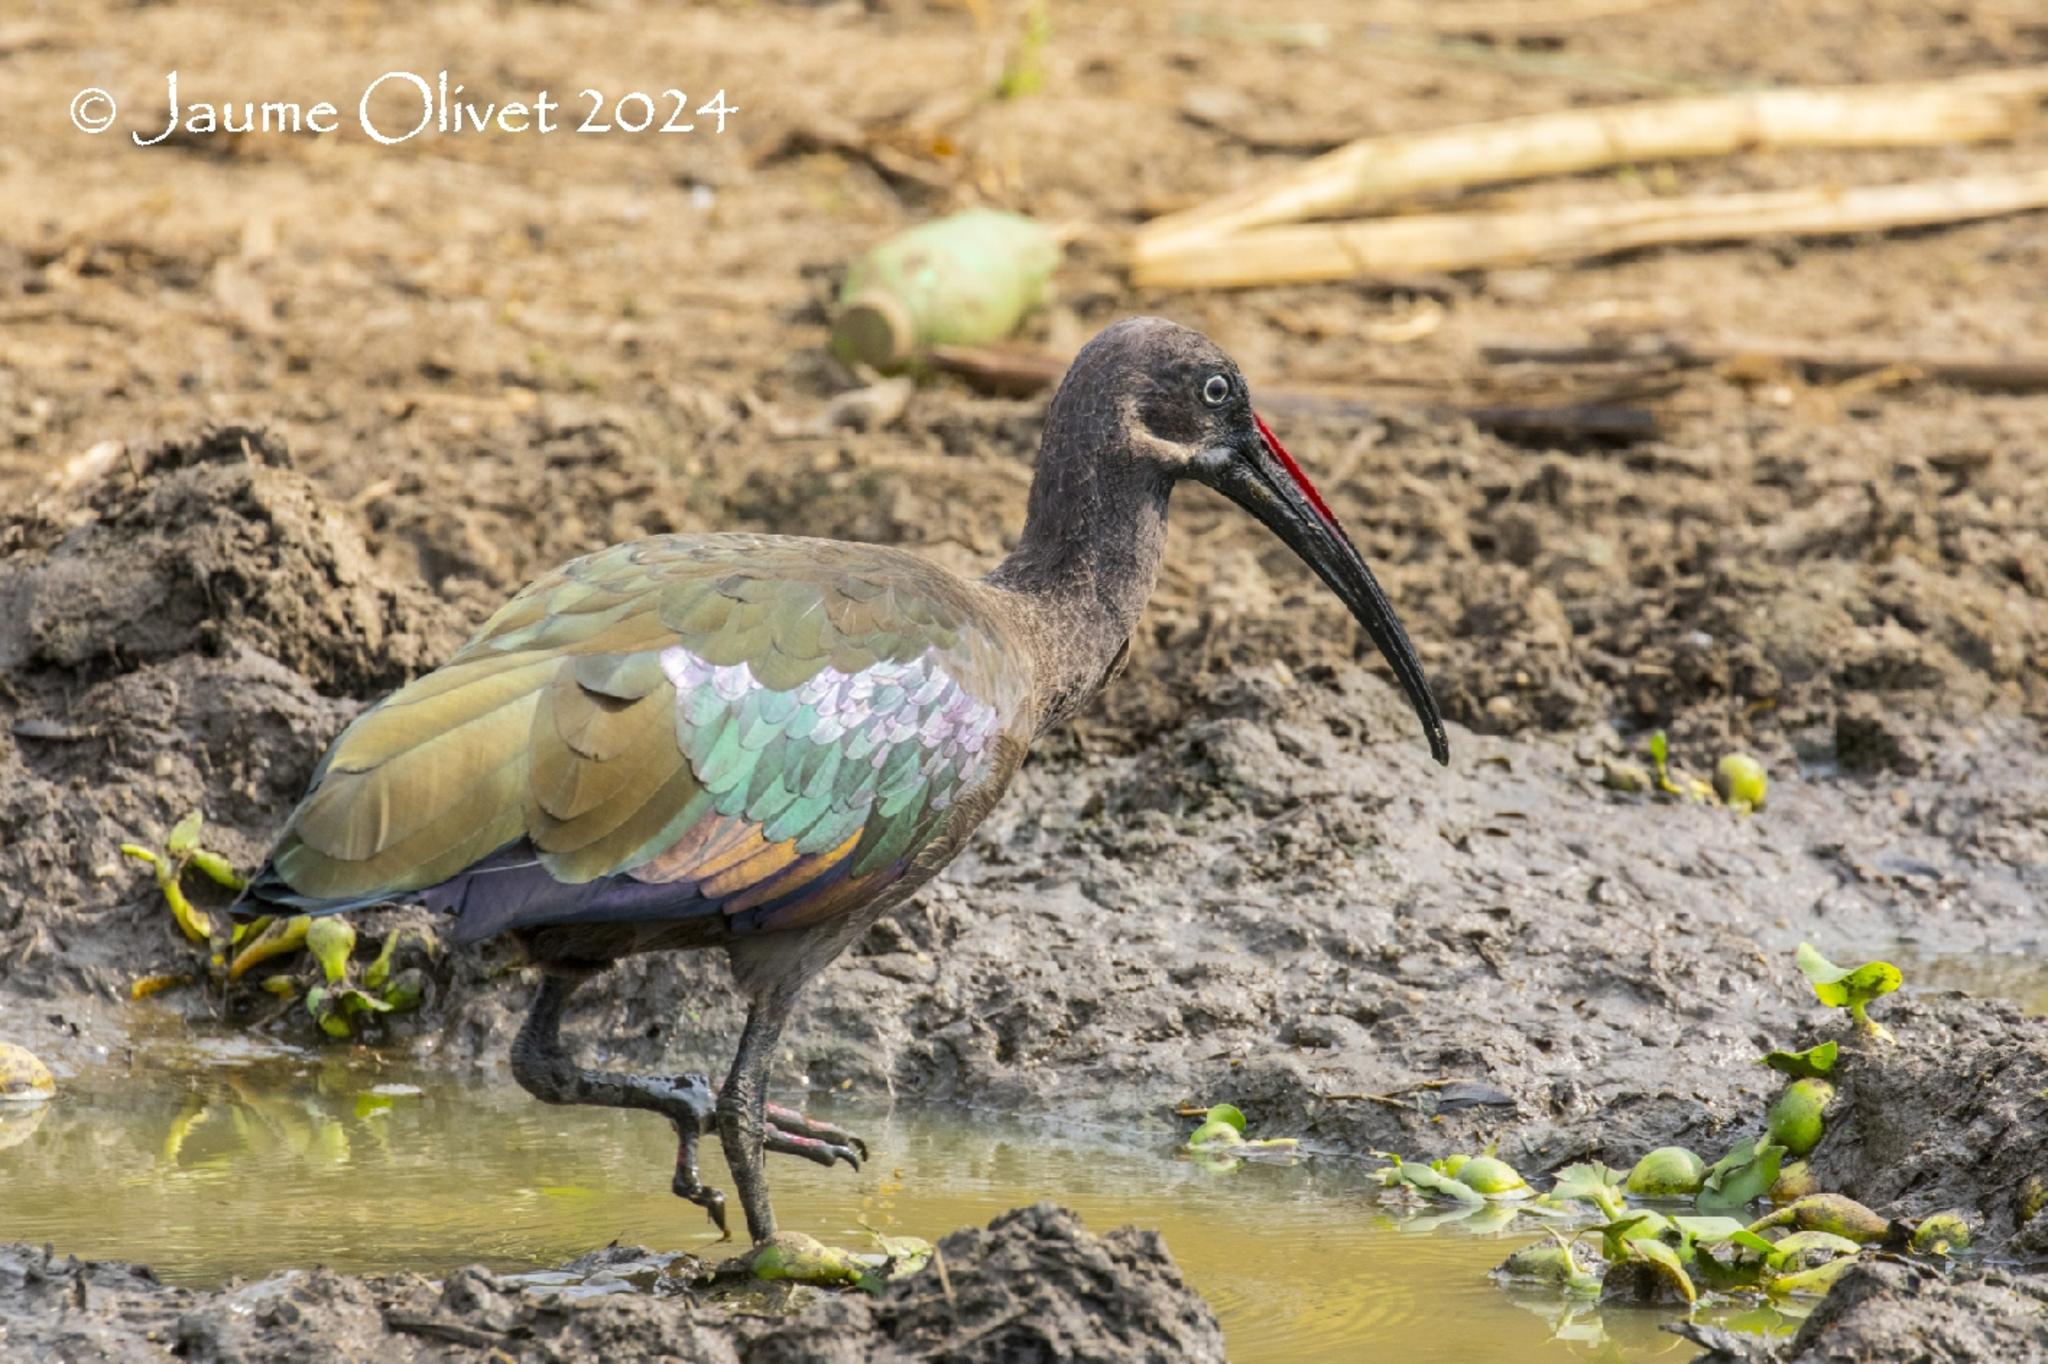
x=687 y=1186
x=798 y=1128
x=810 y=1148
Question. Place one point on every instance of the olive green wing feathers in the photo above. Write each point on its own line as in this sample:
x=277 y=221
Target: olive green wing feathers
x=762 y=727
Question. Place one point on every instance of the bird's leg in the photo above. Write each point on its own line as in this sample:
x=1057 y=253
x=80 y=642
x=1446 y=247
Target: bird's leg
x=742 y=1117
x=543 y=1066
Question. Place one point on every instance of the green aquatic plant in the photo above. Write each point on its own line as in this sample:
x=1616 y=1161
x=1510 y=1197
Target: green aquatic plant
x=24 y=1079
x=1798 y=1119
x=1024 y=68
x=1850 y=987
x=1493 y=1178
x=1740 y=1177
x=1222 y=1130
x=331 y=939
x=182 y=849
x=1551 y=1262
x=1590 y=1182
x=1805 y=1249
x=1812 y=1064
x=1795 y=1181
x=1739 y=780
x=1424 y=1178
x=1667 y=1172
x=1814 y=1282
x=1837 y=1214
x=1941 y=1233
x=1683 y=786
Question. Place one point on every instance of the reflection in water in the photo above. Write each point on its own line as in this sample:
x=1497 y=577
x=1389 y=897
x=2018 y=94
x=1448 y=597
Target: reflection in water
x=207 y=1172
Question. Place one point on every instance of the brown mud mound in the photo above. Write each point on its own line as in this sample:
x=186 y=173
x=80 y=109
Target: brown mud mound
x=1954 y=1114
x=1899 y=1310
x=1033 y=1285
x=185 y=633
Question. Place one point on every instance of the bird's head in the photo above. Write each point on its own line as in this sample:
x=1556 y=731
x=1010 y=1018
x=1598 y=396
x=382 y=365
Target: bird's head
x=1186 y=414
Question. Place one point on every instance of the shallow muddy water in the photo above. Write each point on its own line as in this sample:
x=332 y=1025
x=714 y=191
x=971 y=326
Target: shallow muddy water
x=2020 y=977
x=204 y=1172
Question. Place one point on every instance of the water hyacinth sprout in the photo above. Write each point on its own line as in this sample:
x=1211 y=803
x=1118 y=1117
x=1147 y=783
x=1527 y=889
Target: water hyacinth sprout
x=1222 y=1129
x=1850 y=987
x=1812 y=1064
x=331 y=939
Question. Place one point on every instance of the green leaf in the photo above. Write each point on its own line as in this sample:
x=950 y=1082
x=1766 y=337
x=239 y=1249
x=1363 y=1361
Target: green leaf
x=1708 y=1230
x=1585 y=1181
x=184 y=835
x=1841 y=986
x=1741 y=1177
x=1812 y=1064
x=1639 y=1225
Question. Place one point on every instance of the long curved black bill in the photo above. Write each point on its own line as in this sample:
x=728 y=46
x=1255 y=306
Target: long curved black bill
x=1268 y=483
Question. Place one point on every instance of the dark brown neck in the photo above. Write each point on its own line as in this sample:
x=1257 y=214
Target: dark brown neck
x=1087 y=561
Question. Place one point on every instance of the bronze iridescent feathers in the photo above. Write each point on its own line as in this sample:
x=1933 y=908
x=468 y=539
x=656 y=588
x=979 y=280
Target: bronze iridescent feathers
x=762 y=727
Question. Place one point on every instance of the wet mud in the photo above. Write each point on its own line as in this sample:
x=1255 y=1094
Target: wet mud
x=1034 y=1284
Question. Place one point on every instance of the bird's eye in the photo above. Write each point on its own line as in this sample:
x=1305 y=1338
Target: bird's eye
x=1215 y=390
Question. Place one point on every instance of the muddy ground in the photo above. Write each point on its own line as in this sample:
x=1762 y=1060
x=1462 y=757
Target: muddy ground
x=1033 y=1285
x=286 y=418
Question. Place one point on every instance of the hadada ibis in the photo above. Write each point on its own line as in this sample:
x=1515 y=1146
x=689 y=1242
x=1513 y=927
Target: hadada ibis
x=762 y=743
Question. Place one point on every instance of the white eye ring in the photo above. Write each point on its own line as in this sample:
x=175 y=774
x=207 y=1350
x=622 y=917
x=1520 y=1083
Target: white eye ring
x=1215 y=390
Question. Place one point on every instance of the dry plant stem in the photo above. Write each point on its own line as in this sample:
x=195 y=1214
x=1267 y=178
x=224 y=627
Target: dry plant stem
x=1468 y=241
x=1988 y=373
x=1967 y=109
x=1016 y=372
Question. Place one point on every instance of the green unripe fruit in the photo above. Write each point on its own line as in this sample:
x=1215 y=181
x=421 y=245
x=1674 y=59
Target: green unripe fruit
x=1667 y=1172
x=1799 y=1117
x=1739 y=779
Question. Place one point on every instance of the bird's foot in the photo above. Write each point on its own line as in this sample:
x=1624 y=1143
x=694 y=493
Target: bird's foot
x=794 y=1134
x=694 y=1111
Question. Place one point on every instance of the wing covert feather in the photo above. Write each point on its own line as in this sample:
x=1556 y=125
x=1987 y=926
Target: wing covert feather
x=772 y=727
